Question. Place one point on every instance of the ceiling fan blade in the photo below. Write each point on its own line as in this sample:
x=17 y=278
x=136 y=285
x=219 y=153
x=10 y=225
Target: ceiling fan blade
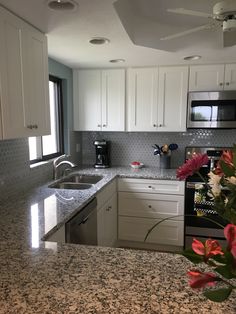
x=190 y=12
x=229 y=38
x=189 y=31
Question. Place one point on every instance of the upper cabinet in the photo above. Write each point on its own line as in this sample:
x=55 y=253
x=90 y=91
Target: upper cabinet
x=172 y=98
x=99 y=100
x=142 y=92
x=23 y=79
x=212 y=77
x=157 y=99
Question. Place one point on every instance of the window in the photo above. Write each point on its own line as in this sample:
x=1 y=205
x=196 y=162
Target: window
x=50 y=146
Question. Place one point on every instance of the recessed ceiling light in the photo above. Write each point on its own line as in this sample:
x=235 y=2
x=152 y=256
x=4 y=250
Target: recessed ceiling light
x=62 y=5
x=195 y=57
x=117 y=60
x=99 y=41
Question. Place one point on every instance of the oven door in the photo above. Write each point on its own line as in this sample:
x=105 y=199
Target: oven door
x=198 y=207
x=196 y=212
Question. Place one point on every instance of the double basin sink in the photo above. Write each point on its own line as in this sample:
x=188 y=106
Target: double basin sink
x=76 y=182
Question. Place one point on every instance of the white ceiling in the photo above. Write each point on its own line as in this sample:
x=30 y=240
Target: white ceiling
x=69 y=32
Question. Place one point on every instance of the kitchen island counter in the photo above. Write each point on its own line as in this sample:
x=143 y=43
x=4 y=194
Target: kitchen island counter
x=45 y=277
x=82 y=279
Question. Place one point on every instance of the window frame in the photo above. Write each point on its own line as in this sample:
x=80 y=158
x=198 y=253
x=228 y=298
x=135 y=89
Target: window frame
x=39 y=139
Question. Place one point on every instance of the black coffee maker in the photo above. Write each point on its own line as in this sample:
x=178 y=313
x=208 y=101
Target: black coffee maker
x=102 y=154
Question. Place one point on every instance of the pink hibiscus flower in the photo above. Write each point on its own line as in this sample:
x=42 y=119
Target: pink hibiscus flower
x=230 y=235
x=211 y=248
x=199 y=279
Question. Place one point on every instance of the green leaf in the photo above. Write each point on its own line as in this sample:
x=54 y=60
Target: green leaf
x=219 y=258
x=228 y=171
x=225 y=271
x=193 y=257
x=218 y=295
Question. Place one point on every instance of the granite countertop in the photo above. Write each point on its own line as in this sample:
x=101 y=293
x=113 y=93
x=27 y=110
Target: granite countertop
x=45 y=277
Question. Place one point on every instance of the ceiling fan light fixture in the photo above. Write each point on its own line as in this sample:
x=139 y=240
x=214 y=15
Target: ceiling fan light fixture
x=99 y=41
x=62 y=5
x=229 y=25
x=192 y=58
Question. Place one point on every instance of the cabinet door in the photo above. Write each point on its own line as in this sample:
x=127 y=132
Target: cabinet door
x=172 y=99
x=36 y=82
x=113 y=100
x=87 y=100
x=107 y=222
x=168 y=232
x=230 y=77
x=142 y=99
x=11 y=73
x=206 y=77
x=24 y=79
x=110 y=219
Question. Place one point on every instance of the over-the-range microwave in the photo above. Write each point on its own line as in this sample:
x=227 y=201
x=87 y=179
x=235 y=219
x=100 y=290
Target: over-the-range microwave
x=212 y=109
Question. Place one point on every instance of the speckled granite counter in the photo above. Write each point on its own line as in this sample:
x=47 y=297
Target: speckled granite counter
x=43 y=277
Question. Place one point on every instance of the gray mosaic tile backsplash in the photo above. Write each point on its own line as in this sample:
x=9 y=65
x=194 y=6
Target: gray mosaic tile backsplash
x=128 y=147
x=16 y=176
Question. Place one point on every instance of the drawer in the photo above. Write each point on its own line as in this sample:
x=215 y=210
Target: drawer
x=167 y=232
x=150 y=205
x=106 y=193
x=151 y=186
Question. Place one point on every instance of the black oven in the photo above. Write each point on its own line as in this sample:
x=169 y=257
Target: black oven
x=198 y=204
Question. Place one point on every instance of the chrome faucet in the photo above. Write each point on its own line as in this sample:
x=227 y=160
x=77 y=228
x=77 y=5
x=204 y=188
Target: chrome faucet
x=61 y=160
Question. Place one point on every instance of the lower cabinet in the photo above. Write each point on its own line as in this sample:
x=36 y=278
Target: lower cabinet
x=139 y=211
x=107 y=216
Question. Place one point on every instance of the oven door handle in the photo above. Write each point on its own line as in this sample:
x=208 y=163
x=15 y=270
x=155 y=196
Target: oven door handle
x=191 y=185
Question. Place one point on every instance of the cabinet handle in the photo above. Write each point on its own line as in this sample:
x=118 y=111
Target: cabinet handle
x=30 y=126
x=154 y=125
x=160 y=125
x=227 y=83
x=35 y=126
x=149 y=206
x=221 y=84
x=99 y=125
x=150 y=187
x=109 y=208
x=104 y=126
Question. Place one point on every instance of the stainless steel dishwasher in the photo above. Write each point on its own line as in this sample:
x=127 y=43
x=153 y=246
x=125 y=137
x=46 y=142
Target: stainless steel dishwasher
x=82 y=228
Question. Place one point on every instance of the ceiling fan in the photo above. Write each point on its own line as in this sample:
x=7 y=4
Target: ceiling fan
x=223 y=17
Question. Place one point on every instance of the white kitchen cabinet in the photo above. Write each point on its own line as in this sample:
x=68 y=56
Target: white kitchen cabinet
x=36 y=82
x=142 y=203
x=107 y=216
x=99 y=100
x=212 y=77
x=230 y=77
x=168 y=232
x=172 y=98
x=23 y=79
x=157 y=99
x=107 y=222
x=142 y=89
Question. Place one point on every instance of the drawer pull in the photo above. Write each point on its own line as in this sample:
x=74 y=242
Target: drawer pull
x=149 y=206
x=109 y=208
x=150 y=187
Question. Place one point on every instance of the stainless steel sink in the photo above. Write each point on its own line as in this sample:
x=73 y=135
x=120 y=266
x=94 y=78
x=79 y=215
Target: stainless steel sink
x=76 y=182
x=82 y=178
x=70 y=186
